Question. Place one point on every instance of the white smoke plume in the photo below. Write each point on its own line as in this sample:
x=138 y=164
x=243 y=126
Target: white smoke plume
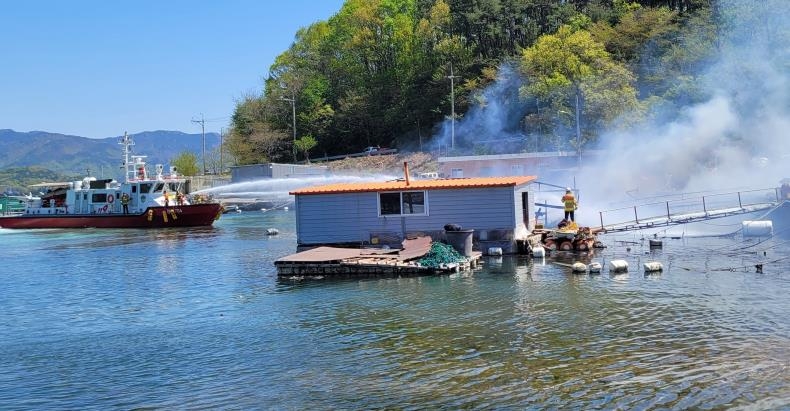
x=737 y=139
x=493 y=119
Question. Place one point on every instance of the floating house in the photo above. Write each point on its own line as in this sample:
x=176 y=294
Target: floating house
x=498 y=209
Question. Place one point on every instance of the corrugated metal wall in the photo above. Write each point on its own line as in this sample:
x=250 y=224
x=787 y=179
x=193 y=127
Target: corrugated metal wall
x=274 y=170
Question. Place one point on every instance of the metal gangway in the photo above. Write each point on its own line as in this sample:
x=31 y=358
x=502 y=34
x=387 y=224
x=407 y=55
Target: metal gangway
x=685 y=208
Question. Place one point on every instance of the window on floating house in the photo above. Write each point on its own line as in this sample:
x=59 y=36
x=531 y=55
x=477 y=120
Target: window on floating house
x=402 y=203
x=457 y=173
x=99 y=198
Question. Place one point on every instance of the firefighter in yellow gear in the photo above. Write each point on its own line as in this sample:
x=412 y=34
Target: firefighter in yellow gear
x=125 y=203
x=569 y=200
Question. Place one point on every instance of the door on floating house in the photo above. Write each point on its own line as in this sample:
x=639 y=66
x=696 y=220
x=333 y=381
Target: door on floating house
x=525 y=208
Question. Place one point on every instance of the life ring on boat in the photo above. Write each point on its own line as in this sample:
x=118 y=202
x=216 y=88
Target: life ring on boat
x=110 y=198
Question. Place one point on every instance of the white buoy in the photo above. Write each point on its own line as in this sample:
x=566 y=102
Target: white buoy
x=758 y=228
x=538 y=252
x=653 y=266
x=618 y=266
x=495 y=251
x=578 y=267
x=594 y=267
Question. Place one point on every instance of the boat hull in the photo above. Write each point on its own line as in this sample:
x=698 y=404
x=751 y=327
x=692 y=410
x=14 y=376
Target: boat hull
x=154 y=217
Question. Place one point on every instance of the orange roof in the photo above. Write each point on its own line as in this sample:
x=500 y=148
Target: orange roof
x=400 y=185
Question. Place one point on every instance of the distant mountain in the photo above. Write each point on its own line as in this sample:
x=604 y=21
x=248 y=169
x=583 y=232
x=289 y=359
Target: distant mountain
x=72 y=155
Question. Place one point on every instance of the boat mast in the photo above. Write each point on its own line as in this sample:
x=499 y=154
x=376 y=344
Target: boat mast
x=133 y=165
x=127 y=144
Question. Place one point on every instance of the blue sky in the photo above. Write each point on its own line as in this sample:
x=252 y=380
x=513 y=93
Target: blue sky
x=99 y=68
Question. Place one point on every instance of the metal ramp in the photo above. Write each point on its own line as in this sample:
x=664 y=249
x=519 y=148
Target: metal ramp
x=684 y=209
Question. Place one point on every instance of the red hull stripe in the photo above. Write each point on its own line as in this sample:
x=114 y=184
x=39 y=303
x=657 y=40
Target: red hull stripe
x=185 y=216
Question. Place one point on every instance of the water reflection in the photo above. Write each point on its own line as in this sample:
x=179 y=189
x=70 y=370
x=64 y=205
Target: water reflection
x=116 y=310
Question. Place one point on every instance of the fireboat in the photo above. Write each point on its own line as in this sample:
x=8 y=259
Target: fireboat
x=140 y=201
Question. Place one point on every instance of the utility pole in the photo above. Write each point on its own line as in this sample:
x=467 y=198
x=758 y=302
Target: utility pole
x=202 y=123
x=452 y=107
x=221 y=132
x=293 y=109
x=578 y=130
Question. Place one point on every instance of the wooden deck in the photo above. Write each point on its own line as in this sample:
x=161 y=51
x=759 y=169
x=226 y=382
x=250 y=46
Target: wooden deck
x=367 y=262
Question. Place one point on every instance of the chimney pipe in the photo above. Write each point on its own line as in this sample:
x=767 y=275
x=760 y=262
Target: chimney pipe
x=406 y=171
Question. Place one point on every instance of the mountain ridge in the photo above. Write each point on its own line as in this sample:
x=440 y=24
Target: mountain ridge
x=71 y=154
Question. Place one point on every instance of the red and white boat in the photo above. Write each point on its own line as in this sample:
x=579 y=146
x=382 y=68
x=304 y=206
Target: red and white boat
x=151 y=202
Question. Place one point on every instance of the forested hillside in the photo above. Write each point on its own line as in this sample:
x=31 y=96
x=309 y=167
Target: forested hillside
x=380 y=72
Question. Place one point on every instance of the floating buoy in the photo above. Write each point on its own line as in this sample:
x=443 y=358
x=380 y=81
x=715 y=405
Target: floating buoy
x=578 y=267
x=758 y=228
x=538 y=252
x=495 y=251
x=594 y=267
x=653 y=266
x=618 y=266
x=272 y=231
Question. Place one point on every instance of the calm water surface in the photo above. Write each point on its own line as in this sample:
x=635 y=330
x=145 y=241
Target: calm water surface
x=196 y=318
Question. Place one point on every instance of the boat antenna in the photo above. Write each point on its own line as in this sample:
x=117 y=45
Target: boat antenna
x=128 y=165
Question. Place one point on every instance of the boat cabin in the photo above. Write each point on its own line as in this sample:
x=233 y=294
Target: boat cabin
x=92 y=196
x=498 y=209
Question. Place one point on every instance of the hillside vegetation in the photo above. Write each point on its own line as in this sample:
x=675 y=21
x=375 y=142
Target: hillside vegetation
x=380 y=72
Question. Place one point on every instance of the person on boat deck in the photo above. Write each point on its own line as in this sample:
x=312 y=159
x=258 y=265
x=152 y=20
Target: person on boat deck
x=570 y=205
x=179 y=198
x=167 y=199
x=125 y=203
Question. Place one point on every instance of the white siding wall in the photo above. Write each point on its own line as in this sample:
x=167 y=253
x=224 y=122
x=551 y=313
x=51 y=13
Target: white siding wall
x=336 y=218
x=522 y=228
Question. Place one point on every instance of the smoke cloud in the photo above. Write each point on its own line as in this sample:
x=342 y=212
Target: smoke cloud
x=494 y=118
x=735 y=139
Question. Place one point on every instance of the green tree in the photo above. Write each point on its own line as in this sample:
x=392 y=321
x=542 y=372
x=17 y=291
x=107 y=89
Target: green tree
x=186 y=163
x=305 y=144
x=376 y=72
x=569 y=68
